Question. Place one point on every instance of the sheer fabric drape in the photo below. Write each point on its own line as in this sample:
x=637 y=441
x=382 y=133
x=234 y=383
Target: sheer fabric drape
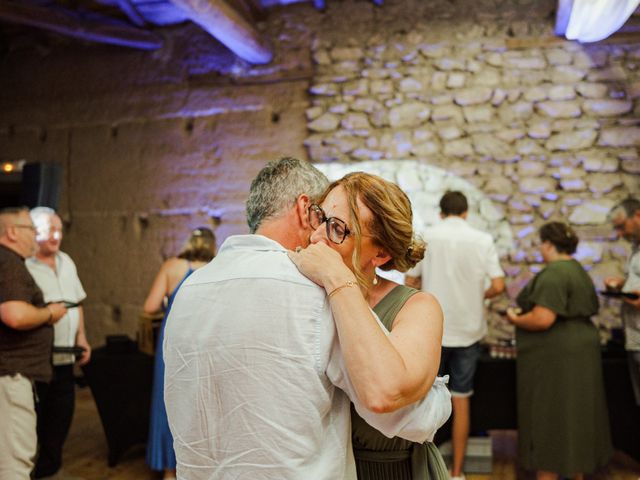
x=593 y=20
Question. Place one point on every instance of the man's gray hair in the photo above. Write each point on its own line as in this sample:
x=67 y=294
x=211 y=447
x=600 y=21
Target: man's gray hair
x=277 y=187
x=628 y=207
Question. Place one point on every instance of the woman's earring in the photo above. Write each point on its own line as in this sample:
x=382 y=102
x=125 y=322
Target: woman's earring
x=375 y=280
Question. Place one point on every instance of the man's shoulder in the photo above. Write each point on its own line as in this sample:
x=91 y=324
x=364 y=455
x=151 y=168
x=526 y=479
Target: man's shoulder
x=458 y=228
x=9 y=256
x=259 y=261
x=65 y=257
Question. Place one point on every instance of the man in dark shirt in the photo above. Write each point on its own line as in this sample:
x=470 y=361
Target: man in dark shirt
x=26 y=339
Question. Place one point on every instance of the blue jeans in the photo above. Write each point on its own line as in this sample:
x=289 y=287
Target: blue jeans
x=460 y=364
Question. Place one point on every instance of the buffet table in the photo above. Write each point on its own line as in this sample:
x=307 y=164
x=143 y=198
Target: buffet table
x=493 y=406
x=120 y=381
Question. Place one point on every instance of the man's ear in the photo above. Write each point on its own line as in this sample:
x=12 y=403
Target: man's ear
x=302 y=209
x=10 y=232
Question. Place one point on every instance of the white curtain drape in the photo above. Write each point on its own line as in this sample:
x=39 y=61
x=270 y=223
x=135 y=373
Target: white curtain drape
x=593 y=20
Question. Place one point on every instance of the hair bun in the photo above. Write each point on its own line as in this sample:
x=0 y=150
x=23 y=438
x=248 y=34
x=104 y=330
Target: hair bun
x=415 y=252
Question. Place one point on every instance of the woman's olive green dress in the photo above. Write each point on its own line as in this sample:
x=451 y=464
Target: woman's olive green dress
x=563 y=422
x=381 y=458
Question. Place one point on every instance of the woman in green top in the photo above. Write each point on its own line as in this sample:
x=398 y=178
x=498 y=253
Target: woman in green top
x=364 y=222
x=562 y=413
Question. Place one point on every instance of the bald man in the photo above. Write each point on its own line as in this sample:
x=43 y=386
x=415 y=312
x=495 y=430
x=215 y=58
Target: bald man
x=26 y=339
x=56 y=275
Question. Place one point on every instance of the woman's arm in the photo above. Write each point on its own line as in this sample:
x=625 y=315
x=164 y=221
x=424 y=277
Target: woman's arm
x=417 y=336
x=387 y=372
x=158 y=291
x=538 y=319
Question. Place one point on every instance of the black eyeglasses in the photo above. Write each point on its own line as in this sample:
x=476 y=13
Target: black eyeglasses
x=337 y=229
x=619 y=227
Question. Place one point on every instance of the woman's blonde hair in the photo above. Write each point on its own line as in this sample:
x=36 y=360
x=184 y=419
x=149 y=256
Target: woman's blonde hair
x=391 y=223
x=201 y=246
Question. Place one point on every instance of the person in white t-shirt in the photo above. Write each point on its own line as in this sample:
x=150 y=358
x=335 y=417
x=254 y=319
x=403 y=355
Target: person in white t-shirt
x=461 y=269
x=56 y=275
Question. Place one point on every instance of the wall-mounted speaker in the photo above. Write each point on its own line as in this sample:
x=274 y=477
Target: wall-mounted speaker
x=10 y=188
x=41 y=184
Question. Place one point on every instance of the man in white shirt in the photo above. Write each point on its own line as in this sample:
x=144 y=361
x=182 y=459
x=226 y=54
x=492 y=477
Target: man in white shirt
x=252 y=358
x=56 y=275
x=625 y=218
x=460 y=262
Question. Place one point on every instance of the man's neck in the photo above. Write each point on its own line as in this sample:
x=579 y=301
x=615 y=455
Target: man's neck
x=47 y=259
x=283 y=230
x=7 y=244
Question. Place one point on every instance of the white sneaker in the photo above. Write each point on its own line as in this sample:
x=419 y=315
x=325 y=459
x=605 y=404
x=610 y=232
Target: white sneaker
x=459 y=477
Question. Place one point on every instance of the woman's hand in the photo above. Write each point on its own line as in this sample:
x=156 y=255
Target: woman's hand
x=538 y=319
x=613 y=283
x=512 y=314
x=322 y=265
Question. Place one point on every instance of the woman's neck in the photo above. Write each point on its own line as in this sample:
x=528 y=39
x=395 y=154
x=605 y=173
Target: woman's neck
x=560 y=256
x=378 y=292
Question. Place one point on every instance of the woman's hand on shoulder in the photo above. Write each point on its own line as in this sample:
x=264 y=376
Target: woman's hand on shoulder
x=322 y=265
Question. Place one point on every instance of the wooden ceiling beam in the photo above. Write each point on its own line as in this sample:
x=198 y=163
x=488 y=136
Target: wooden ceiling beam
x=66 y=23
x=131 y=12
x=229 y=27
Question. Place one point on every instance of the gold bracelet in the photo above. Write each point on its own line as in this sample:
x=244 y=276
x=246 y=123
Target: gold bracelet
x=350 y=283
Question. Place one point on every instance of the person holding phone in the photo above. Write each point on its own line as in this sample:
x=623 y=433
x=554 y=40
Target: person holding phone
x=55 y=273
x=26 y=335
x=563 y=426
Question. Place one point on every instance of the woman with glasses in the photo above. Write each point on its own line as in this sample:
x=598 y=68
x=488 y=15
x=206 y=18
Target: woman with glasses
x=364 y=222
x=563 y=427
x=198 y=251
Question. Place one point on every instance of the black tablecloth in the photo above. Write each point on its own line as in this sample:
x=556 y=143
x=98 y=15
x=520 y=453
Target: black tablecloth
x=121 y=385
x=493 y=405
x=120 y=382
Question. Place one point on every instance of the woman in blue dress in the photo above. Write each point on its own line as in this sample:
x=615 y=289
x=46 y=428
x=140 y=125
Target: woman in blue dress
x=199 y=250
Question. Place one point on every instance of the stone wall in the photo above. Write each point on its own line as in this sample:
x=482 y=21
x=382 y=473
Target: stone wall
x=154 y=144
x=548 y=132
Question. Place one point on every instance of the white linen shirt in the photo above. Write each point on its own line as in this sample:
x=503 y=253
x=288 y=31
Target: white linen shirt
x=457 y=267
x=57 y=285
x=252 y=362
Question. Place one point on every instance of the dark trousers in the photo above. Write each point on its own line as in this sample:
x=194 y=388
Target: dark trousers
x=56 y=401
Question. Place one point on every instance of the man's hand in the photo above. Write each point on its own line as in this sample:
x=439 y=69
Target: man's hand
x=57 y=310
x=81 y=341
x=635 y=303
